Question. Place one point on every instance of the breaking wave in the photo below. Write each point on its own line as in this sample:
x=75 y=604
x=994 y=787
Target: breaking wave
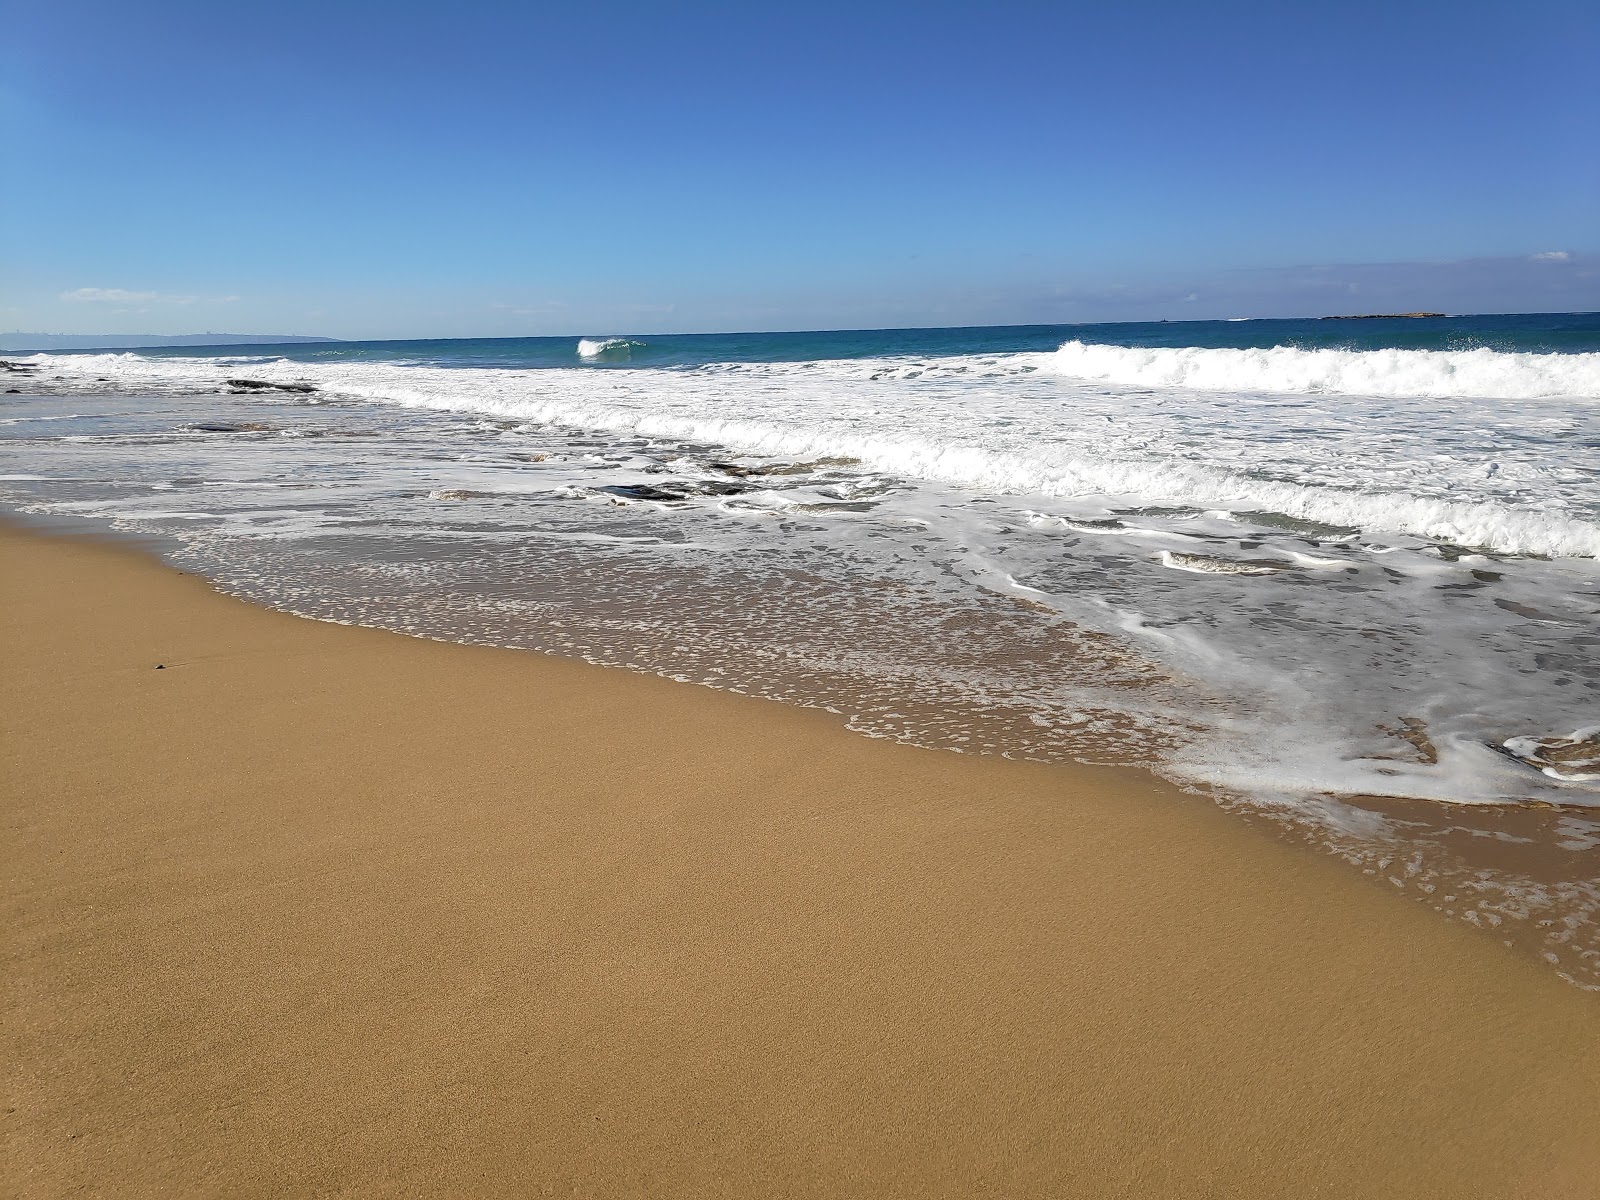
x=606 y=349
x=1476 y=374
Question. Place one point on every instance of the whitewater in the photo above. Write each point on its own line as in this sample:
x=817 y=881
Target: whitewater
x=1479 y=373
x=1343 y=438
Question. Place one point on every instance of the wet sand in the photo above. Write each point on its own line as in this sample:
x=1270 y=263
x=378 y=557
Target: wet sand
x=316 y=909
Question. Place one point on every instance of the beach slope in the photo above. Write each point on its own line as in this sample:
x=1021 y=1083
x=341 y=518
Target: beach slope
x=315 y=909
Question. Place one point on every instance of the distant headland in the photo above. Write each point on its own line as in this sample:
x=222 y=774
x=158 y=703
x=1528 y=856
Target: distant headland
x=1380 y=316
x=13 y=342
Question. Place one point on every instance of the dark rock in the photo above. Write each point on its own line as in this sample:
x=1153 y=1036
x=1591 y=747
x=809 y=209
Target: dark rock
x=13 y=391
x=640 y=491
x=677 y=489
x=261 y=385
x=161 y=666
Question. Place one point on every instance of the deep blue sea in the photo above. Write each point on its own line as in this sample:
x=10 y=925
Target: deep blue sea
x=1565 y=333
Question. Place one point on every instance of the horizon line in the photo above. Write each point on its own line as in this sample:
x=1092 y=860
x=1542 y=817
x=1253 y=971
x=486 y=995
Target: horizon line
x=292 y=338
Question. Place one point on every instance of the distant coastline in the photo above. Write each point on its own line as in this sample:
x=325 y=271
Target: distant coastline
x=1380 y=316
x=18 y=342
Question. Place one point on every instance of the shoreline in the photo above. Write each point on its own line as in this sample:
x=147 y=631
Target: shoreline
x=321 y=908
x=1518 y=873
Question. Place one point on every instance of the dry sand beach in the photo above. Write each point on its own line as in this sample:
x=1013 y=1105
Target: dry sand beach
x=325 y=910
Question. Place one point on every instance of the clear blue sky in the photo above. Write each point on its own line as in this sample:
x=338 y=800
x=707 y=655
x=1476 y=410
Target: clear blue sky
x=401 y=169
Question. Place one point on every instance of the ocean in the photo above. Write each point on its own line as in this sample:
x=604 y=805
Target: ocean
x=1342 y=576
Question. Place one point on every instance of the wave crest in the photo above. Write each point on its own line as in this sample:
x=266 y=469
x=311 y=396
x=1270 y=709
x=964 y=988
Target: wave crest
x=606 y=349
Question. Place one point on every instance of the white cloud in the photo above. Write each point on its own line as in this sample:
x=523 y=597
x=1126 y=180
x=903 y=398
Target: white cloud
x=94 y=295
x=1552 y=256
x=108 y=296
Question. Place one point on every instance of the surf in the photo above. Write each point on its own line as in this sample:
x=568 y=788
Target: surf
x=1476 y=374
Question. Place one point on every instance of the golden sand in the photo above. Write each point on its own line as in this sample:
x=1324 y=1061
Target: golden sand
x=318 y=910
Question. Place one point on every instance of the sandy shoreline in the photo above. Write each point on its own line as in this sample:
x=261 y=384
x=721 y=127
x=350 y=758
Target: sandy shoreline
x=317 y=909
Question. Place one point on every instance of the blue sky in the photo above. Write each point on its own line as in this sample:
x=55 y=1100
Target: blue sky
x=396 y=169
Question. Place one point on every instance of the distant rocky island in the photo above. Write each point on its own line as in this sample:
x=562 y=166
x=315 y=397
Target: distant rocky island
x=14 y=342
x=1380 y=316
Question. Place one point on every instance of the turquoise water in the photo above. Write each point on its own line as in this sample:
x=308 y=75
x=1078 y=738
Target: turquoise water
x=1567 y=333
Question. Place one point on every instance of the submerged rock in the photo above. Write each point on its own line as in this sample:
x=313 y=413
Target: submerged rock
x=262 y=385
x=676 y=490
x=641 y=491
x=740 y=470
x=1414 y=731
x=1207 y=564
x=1571 y=758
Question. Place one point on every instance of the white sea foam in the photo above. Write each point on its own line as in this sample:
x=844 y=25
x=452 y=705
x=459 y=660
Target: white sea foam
x=1478 y=374
x=1510 y=476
